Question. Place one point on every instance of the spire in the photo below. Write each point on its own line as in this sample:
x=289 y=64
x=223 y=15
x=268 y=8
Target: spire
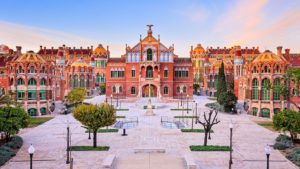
x=149 y=30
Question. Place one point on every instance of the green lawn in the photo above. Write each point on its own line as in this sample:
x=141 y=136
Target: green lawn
x=35 y=121
x=89 y=148
x=122 y=109
x=209 y=148
x=179 y=109
x=105 y=131
x=119 y=117
x=185 y=116
x=266 y=124
x=194 y=131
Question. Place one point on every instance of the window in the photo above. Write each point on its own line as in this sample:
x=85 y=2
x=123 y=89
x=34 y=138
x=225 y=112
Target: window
x=31 y=70
x=149 y=54
x=21 y=70
x=276 y=90
x=120 y=89
x=149 y=72
x=43 y=70
x=133 y=73
x=32 y=82
x=81 y=81
x=276 y=110
x=20 y=81
x=75 y=81
x=11 y=81
x=254 y=111
x=265 y=90
x=114 y=89
x=43 y=82
x=21 y=95
x=265 y=112
x=166 y=72
x=100 y=64
x=166 y=90
x=254 y=89
x=178 y=89
x=88 y=81
x=42 y=94
x=184 y=89
x=117 y=74
x=70 y=81
x=132 y=90
x=181 y=73
x=31 y=94
x=2 y=92
x=43 y=111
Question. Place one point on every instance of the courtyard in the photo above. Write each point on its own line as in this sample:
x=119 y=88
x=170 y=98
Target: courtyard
x=249 y=141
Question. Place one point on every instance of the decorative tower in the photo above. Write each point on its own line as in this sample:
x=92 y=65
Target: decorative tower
x=238 y=72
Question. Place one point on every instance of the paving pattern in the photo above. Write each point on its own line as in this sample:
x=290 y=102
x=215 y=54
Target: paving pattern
x=250 y=139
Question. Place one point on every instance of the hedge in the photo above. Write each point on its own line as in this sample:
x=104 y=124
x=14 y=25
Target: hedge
x=209 y=148
x=7 y=150
x=294 y=156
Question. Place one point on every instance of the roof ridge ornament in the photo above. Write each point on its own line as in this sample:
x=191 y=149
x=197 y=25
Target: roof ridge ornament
x=149 y=30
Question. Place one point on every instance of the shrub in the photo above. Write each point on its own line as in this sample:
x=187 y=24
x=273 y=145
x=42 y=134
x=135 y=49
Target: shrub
x=209 y=148
x=294 y=156
x=15 y=143
x=215 y=106
x=6 y=153
x=283 y=142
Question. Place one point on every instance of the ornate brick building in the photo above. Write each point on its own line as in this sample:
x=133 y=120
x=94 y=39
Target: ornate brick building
x=149 y=69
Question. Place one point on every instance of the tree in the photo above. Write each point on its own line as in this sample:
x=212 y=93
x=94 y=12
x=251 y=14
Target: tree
x=6 y=100
x=221 y=86
x=287 y=120
x=95 y=117
x=228 y=100
x=12 y=120
x=76 y=95
x=103 y=88
x=208 y=123
x=196 y=87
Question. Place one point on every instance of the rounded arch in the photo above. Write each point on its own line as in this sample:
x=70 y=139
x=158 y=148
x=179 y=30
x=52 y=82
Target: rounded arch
x=149 y=54
x=43 y=82
x=32 y=82
x=149 y=72
x=265 y=68
x=114 y=89
x=31 y=68
x=277 y=68
x=265 y=112
x=32 y=112
x=43 y=111
x=133 y=90
x=178 y=89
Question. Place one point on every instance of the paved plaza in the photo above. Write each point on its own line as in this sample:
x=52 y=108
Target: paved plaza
x=249 y=141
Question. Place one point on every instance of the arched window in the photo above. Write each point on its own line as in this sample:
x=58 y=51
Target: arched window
x=254 y=70
x=114 y=89
x=277 y=69
x=254 y=111
x=11 y=81
x=166 y=90
x=21 y=70
x=43 y=82
x=81 y=81
x=149 y=72
x=255 y=89
x=43 y=70
x=31 y=70
x=75 y=81
x=178 y=89
x=120 y=89
x=88 y=81
x=149 y=54
x=184 y=89
x=97 y=78
x=276 y=90
x=265 y=112
x=32 y=82
x=265 y=90
x=266 y=69
x=132 y=90
x=166 y=72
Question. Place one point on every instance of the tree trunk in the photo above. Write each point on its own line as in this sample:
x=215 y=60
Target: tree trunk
x=205 y=138
x=95 y=139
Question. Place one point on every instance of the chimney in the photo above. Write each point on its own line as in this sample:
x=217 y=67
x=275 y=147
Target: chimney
x=45 y=48
x=88 y=48
x=41 y=47
x=218 y=47
x=74 y=48
x=279 y=50
x=287 y=54
x=92 y=47
x=64 y=46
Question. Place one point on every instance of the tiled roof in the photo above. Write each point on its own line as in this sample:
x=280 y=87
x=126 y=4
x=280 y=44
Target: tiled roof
x=115 y=60
x=183 y=60
x=227 y=51
x=70 y=51
x=5 y=59
x=295 y=59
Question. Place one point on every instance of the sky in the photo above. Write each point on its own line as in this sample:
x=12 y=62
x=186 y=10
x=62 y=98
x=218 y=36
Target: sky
x=263 y=23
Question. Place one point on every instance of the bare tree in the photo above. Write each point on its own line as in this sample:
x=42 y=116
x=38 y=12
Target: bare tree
x=208 y=123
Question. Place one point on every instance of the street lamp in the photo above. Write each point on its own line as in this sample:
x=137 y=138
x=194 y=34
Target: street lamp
x=196 y=113
x=193 y=117
x=268 y=152
x=117 y=99
x=181 y=98
x=230 y=146
x=68 y=144
x=187 y=102
x=31 y=150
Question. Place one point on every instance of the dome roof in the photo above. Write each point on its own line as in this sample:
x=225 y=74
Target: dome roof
x=31 y=57
x=100 y=50
x=4 y=49
x=199 y=49
x=268 y=56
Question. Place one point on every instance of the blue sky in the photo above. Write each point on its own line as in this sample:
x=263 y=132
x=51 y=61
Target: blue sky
x=263 y=23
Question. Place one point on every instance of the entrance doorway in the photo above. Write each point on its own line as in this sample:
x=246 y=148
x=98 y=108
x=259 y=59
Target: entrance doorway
x=152 y=91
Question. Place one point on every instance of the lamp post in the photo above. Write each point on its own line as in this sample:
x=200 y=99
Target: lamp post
x=230 y=146
x=193 y=118
x=117 y=99
x=31 y=150
x=196 y=113
x=181 y=98
x=268 y=152
x=187 y=104
x=68 y=145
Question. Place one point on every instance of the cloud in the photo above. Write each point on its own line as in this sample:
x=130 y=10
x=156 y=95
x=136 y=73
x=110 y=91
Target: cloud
x=195 y=14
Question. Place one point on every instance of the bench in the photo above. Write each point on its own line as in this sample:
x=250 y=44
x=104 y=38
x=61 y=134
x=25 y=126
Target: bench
x=109 y=162
x=189 y=162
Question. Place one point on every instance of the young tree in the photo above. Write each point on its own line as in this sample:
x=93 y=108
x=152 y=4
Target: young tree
x=76 y=95
x=287 y=120
x=228 y=100
x=102 y=88
x=12 y=120
x=221 y=85
x=95 y=117
x=208 y=123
